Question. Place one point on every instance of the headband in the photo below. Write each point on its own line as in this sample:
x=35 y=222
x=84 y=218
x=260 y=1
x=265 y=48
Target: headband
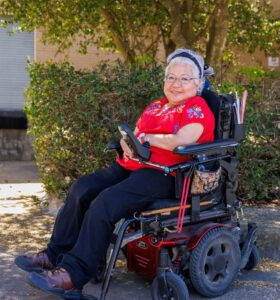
x=191 y=57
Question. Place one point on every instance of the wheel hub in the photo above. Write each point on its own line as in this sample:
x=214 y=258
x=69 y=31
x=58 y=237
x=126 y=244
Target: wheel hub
x=217 y=260
x=220 y=263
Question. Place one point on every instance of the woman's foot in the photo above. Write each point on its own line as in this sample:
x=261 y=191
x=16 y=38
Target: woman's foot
x=38 y=262
x=57 y=282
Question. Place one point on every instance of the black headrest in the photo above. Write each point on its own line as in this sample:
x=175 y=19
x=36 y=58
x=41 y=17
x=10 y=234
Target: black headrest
x=213 y=101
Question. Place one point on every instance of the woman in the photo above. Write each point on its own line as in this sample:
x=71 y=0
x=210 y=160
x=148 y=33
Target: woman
x=96 y=202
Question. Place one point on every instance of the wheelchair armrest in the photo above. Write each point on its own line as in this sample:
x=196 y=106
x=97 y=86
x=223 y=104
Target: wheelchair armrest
x=206 y=148
x=113 y=145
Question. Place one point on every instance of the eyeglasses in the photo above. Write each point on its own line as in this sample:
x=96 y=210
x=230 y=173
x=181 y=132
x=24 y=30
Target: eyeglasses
x=183 y=80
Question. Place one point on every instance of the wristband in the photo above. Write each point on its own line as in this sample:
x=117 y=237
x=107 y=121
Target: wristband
x=142 y=137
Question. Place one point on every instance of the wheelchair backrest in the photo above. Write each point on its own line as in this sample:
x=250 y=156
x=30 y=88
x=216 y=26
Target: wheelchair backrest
x=222 y=108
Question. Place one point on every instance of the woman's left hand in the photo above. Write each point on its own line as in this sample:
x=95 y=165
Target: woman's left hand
x=128 y=154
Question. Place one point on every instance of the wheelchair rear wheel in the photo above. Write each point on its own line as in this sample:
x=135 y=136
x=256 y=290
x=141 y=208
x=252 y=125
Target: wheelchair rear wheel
x=177 y=289
x=215 y=262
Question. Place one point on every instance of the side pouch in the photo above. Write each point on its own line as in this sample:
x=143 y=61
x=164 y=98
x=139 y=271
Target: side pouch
x=205 y=181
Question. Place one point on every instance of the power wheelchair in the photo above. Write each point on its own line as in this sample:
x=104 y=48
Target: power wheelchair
x=198 y=239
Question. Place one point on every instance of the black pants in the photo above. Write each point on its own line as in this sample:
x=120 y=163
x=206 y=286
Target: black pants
x=95 y=203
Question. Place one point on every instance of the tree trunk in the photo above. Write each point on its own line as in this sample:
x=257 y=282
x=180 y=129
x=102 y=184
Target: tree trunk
x=121 y=42
x=181 y=27
x=217 y=32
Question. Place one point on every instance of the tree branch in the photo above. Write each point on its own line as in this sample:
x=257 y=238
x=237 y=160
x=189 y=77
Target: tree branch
x=121 y=42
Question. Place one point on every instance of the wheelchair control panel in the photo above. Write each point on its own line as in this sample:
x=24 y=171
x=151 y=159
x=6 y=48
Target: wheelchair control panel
x=141 y=150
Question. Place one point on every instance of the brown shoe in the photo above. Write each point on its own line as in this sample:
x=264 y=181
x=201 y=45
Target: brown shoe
x=56 y=281
x=35 y=263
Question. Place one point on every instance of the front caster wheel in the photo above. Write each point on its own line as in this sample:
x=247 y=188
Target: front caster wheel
x=215 y=262
x=176 y=288
x=254 y=258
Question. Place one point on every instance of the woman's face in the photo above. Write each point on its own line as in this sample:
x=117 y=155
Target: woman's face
x=178 y=85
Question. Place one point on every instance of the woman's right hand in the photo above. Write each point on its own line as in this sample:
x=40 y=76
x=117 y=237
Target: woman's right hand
x=127 y=153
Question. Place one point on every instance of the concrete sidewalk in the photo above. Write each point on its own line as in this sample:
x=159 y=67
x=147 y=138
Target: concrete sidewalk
x=253 y=285
x=19 y=183
x=19 y=172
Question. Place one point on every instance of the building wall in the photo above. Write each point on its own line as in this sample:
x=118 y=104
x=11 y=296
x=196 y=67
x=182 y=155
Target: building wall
x=14 y=51
x=87 y=61
x=15 y=145
x=276 y=8
x=257 y=58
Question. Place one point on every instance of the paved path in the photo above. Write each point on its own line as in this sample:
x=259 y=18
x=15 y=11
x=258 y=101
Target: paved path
x=253 y=285
x=18 y=172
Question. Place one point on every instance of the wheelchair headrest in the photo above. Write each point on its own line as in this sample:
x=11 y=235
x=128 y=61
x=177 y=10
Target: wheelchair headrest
x=222 y=108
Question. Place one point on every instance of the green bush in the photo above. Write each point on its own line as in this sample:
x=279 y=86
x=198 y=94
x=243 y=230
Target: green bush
x=73 y=114
x=259 y=154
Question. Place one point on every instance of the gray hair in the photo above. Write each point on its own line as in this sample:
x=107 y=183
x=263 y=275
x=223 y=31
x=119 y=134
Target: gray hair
x=187 y=61
x=191 y=58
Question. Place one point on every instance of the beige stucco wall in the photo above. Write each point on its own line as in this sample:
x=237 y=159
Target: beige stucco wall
x=257 y=58
x=276 y=7
x=87 y=61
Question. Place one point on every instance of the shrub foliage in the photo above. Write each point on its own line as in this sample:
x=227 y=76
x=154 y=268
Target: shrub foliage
x=73 y=114
x=259 y=154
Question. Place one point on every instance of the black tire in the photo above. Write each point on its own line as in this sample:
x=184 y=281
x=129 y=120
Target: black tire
x=215 y=262
x=254 y=258
x=176 y=285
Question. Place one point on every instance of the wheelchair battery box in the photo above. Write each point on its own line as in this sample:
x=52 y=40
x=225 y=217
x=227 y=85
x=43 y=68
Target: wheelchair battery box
x=142 y=257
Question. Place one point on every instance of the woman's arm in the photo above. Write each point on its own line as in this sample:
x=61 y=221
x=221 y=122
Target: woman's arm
x=188 y=134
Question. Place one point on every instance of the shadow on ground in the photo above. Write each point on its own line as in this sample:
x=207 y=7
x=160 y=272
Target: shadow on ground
x=23 y=226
